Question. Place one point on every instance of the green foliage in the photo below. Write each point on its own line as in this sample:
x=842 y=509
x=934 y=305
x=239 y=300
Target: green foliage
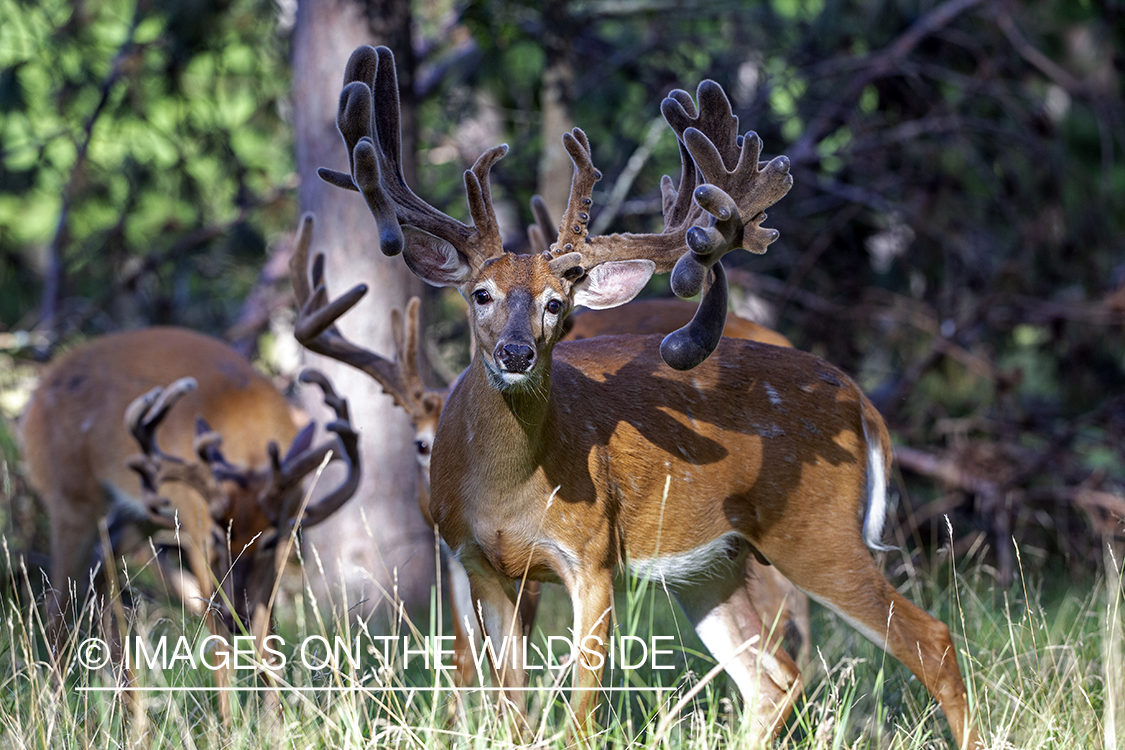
x=126 y=129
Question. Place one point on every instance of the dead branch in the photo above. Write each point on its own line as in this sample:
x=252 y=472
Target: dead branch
x=876 y=65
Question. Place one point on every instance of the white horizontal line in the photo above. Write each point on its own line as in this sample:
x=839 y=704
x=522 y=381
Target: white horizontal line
x=363 y=689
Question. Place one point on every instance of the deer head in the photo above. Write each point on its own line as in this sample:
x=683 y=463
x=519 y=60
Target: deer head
x=718 y=207
x=252 y=508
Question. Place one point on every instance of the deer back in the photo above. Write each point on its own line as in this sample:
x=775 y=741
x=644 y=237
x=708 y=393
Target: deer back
x=661 y=315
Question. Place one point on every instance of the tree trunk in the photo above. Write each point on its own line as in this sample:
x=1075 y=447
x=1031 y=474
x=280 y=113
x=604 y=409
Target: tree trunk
x=377 y=546
x=555 y=166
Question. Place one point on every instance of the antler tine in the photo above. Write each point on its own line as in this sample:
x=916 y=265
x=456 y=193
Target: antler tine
x=155 y=467
x=207 y=445
x=574 y=227
x=316 y=318
x=302 y=460
x=299 y=260
x=714 y=117
x=145 y=413
x=405 y=331
x=368 y=118
x=424 y=402
x=537 y=232
x=678 y=207
x=479 y=191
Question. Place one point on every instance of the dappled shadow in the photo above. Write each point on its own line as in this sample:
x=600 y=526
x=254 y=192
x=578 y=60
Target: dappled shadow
x=743 y=427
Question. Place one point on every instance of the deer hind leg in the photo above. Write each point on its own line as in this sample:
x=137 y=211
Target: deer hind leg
x=725 y=618
x=848 y=582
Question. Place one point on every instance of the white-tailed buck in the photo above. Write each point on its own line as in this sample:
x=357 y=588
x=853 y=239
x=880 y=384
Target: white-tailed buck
x=570 y=461
x=213 y=484
x=778 y=602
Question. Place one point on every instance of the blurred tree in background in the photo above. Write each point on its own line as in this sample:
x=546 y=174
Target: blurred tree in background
x=954 y=236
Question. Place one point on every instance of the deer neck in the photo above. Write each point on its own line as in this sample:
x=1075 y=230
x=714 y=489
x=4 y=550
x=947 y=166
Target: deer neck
x=508 y=429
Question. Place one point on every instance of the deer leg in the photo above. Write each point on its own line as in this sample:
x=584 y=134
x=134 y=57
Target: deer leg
x=72 y=546
x=783 y=608
x=529 y=605
x=495 y=600
x=592 y=600
x=725 y=618
x=849 y=583
x=115 y=629
x=182 y=585
x=260 y=629
x=464 y=622
x=199 y=554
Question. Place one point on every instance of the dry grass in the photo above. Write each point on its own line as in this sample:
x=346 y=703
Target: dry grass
x=1044 y=667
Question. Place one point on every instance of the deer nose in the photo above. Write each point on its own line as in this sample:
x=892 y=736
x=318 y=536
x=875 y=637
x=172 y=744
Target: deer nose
x=516 y=357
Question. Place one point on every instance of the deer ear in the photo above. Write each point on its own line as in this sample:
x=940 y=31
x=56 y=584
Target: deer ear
x=434 y=260
x=613 y=283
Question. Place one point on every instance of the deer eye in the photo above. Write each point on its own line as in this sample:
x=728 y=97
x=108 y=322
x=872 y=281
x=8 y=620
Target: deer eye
x=554 y=306
x=423 y=447
x=482 y=297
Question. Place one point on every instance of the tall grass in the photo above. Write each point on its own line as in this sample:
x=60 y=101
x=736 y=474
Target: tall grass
x=1043 y=663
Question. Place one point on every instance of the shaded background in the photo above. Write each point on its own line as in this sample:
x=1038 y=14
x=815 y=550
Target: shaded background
x=953 y=238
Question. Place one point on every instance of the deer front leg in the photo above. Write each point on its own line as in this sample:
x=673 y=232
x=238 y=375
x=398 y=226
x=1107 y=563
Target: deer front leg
x=592 y=600
x=199 y=552
x=494 y=601
x=464 y=623
x=72 y=544
x=268 y=564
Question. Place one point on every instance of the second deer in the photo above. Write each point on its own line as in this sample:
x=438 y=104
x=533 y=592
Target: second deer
x=95 y=408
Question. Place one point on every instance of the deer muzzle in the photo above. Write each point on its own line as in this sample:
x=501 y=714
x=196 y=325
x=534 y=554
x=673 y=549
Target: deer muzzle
x=515 y=357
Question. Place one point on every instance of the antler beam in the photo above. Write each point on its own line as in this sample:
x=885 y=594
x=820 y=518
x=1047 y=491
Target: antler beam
x=368 y=119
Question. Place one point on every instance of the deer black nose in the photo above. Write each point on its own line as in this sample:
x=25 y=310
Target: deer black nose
x=516 y=357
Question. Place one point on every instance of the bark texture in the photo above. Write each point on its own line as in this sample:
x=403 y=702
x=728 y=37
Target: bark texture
x=377 y=546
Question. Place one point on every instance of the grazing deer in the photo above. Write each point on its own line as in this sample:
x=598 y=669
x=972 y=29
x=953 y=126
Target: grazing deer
x=238 y=502
x=570 y=461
